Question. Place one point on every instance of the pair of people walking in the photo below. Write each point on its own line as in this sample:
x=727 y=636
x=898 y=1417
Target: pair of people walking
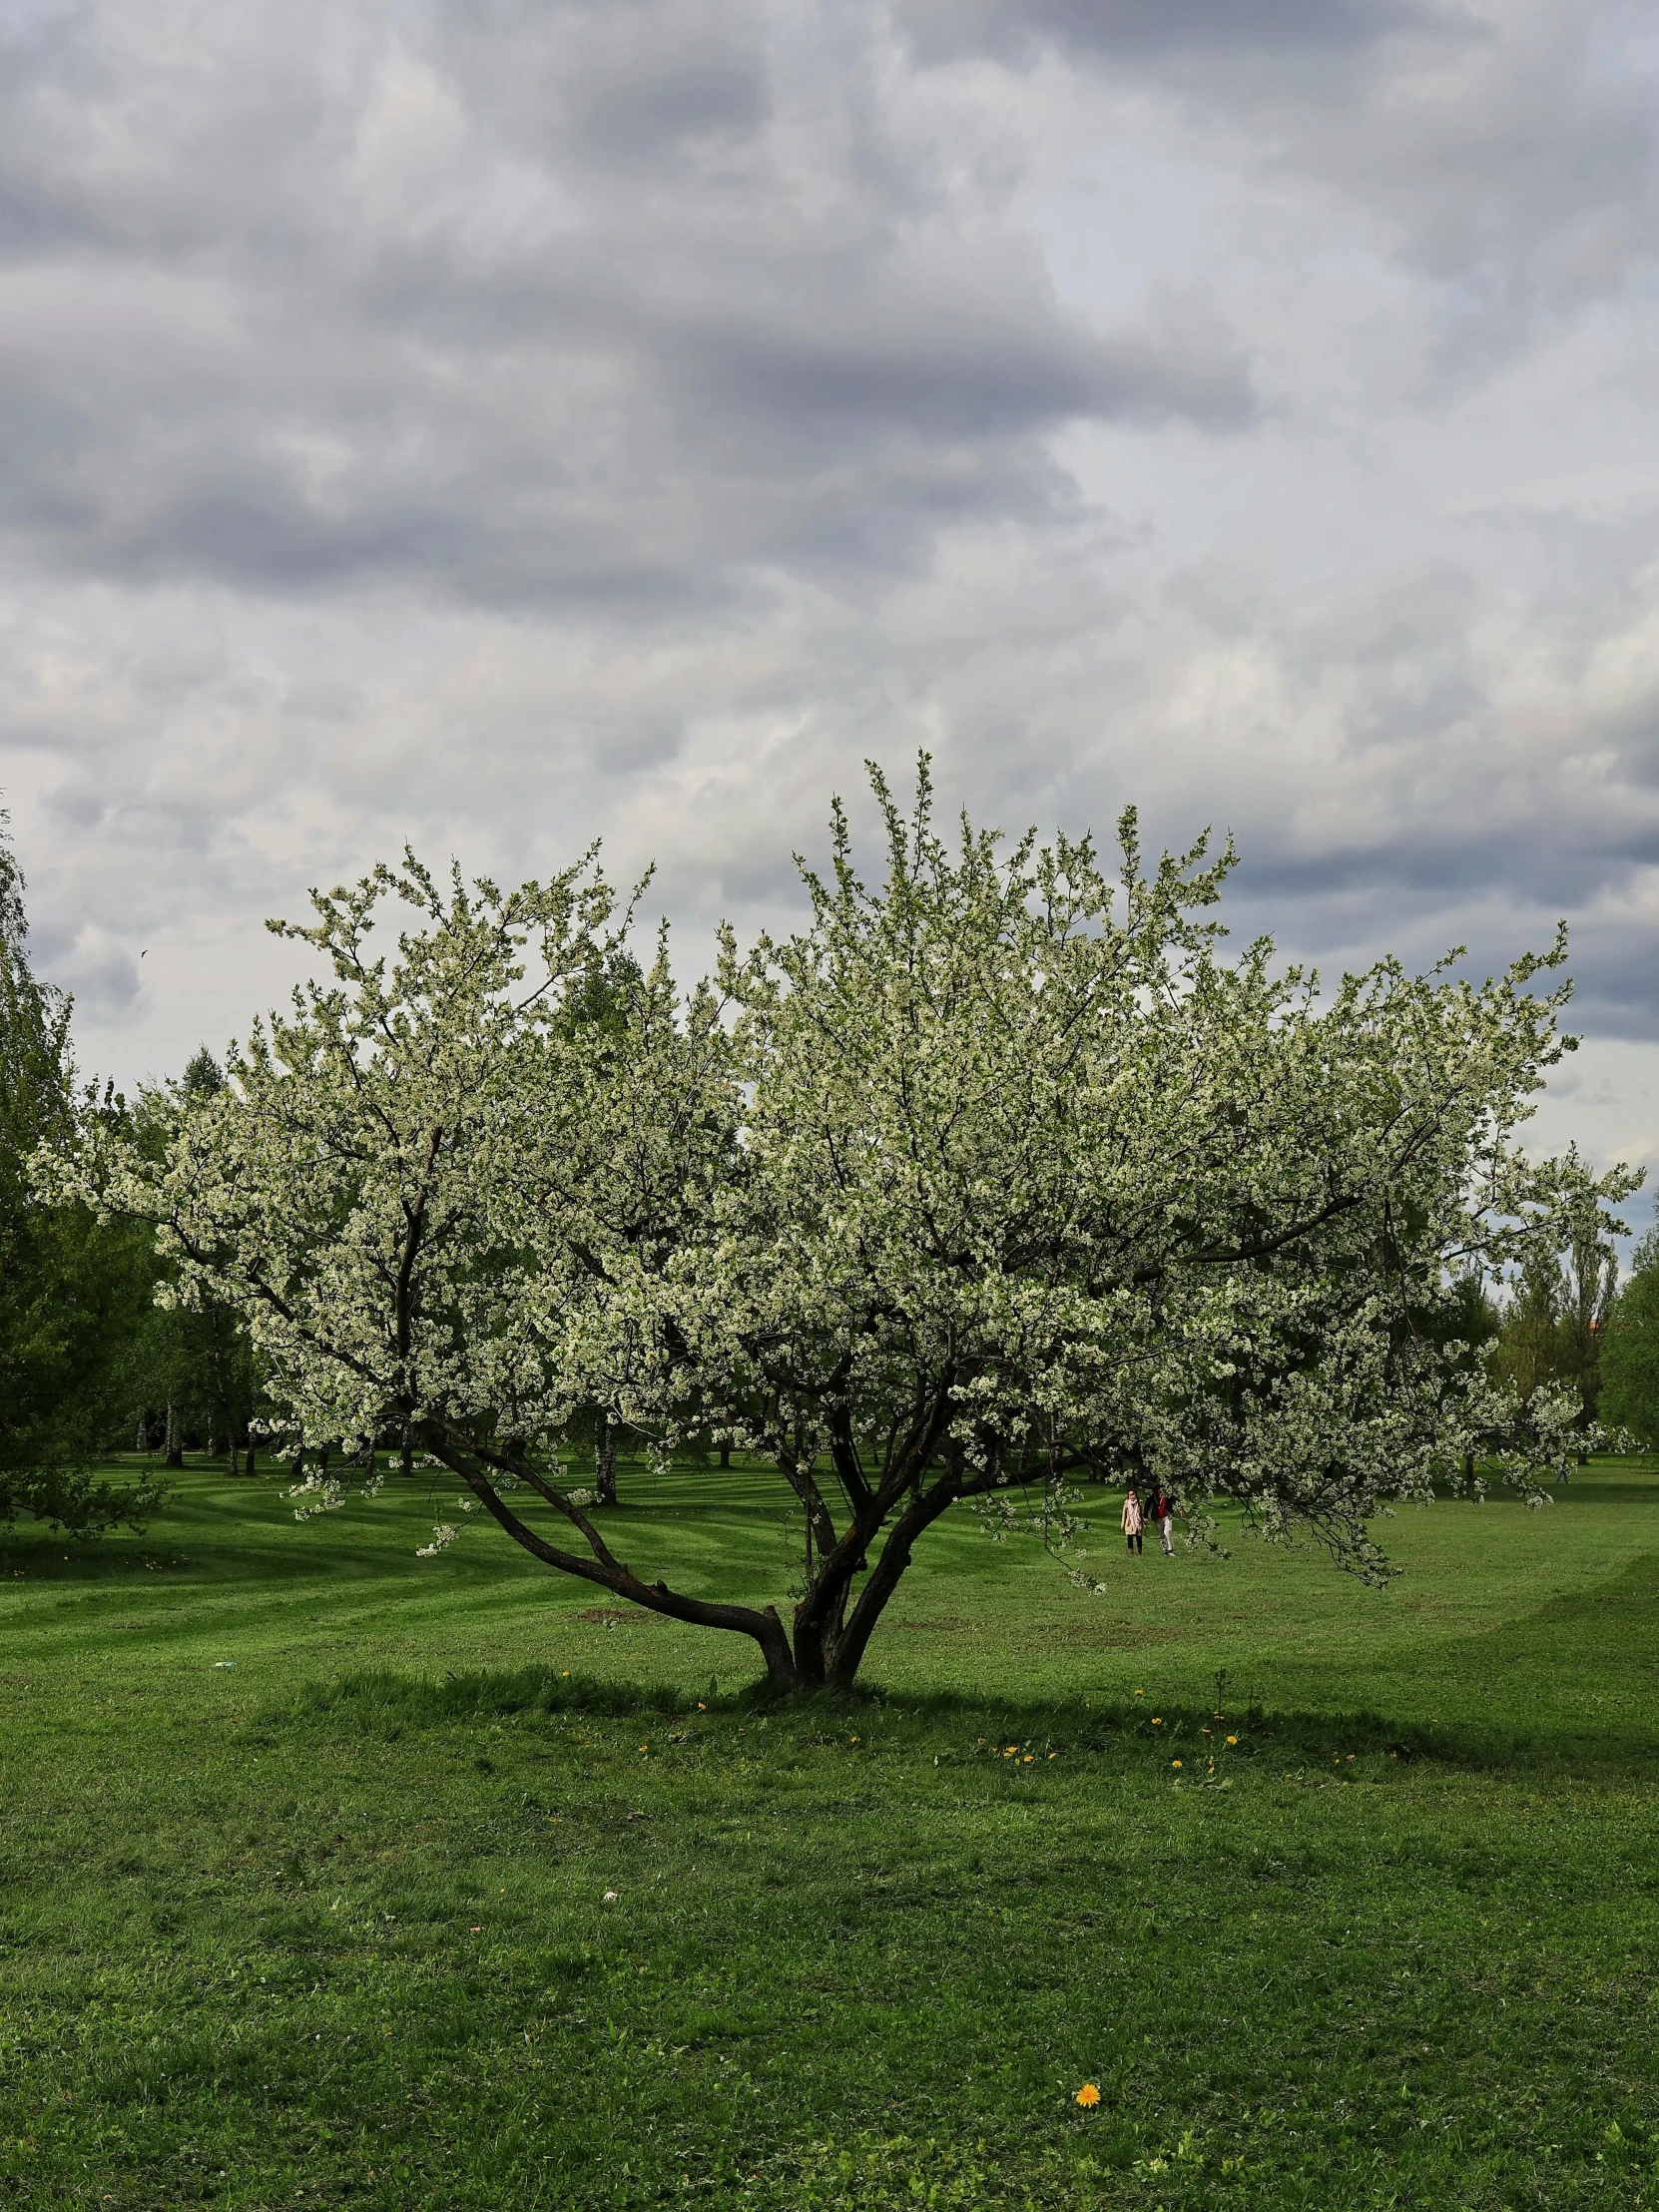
x=1159 y=1509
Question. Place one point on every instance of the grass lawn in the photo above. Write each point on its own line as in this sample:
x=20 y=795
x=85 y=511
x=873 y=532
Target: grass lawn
x=334 y=1877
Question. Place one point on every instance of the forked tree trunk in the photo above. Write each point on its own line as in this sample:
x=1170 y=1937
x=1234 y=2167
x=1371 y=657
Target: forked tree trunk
x=831 y=1628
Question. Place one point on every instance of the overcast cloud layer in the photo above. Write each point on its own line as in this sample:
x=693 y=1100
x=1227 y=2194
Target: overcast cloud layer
x=502 y=424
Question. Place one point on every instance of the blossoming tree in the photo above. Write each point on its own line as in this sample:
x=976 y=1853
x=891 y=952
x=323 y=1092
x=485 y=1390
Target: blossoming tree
x=995 y=1175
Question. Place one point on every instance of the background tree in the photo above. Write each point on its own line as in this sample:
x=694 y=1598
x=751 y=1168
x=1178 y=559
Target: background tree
x=200 y=1358
x=71 y=1291
x=1554 y=1320
x=1629 y=1349
x=1592 y=1280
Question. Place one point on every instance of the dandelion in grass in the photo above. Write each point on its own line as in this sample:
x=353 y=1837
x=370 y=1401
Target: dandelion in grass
x=1088 y=2097
x=1232 y=1739
x=1175 y=1761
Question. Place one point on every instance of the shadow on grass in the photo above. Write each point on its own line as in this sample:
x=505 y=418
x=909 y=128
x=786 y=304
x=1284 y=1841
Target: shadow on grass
x=386 y=1704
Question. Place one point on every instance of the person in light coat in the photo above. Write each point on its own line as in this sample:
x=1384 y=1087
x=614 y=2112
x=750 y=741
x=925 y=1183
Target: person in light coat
x=1133 y=1518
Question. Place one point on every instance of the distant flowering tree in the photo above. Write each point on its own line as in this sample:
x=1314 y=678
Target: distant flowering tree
x=995 y=1175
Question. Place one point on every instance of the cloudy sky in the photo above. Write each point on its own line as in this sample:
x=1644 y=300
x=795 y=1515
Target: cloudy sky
x=500 y=423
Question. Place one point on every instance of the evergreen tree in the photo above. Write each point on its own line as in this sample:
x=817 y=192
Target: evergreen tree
x=72 y=1291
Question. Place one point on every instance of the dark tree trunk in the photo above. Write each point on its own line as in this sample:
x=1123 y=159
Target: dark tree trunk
x=405 y=1463
x=175 y=1455
x=250 y=1450
x=846 y=1654
x=234 y=1449
x=725 y=1455
x=831 y=1629
x=604 y=1467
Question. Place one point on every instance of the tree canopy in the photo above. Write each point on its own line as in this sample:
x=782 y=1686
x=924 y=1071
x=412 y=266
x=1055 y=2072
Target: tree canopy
x=995 y=1178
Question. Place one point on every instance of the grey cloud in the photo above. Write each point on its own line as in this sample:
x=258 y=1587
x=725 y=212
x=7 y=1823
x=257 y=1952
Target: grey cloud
x=1108 y=29
x=1513 y=151
x=417 y=314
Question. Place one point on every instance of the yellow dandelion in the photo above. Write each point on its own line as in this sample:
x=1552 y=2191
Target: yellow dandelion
x=1140 y=1692
x=1157 y=1719
x=1175 y=1761
x=1029 y=1756
x=1232 y=1739
x=702 y=1707
x=1088 y=2097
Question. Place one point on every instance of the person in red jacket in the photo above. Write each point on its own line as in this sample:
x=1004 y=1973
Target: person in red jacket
x=1162 y=1515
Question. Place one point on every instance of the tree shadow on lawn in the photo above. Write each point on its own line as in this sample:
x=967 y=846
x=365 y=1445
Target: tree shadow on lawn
x=385 y=1703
